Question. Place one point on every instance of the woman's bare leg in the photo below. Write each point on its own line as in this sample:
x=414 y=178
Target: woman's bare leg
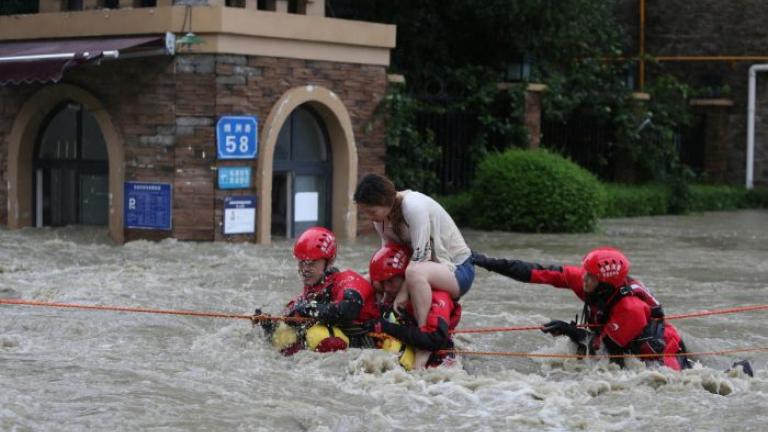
x=421 y=278
x=420 y=359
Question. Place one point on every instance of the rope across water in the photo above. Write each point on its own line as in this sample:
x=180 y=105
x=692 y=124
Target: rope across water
x=252 y=318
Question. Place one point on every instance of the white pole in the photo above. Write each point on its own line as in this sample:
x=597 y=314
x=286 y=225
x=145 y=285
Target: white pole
x=38 y=57
x=752 y=102
x=111 y=54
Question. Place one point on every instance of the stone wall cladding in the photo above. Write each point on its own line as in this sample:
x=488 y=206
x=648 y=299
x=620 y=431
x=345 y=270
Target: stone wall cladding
x=165 y=110
x=712 y=28
x=252 y=85
x=11 y=101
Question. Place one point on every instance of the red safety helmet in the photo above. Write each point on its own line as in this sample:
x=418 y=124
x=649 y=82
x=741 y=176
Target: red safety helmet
x=315 y=243
x=608 y=264
x=389 y=261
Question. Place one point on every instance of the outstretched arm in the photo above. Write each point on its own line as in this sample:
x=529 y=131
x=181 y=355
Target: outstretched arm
x=558 y=276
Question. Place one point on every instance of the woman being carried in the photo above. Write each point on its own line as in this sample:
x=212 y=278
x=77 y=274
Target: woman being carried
x=440 y=256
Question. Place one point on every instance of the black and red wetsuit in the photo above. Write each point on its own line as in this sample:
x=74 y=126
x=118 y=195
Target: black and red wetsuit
x=626 y=320
x=343 y=299
x=435 y=335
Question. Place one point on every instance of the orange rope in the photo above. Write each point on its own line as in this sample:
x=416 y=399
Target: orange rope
x=152 y=311
x=496 y=329
x=718 y=312
x=668 y=317
x=300 y=319
x=600 y=356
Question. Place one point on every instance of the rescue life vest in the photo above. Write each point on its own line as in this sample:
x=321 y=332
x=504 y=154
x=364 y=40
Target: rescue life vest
x=597 y=311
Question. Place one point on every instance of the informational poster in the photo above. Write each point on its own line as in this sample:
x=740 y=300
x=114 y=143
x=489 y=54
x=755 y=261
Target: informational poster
x=147 y=205
x=234 y=177
x=240 y=215
x=306 y=207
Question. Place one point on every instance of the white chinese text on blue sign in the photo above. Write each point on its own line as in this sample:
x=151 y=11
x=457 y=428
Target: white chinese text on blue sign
x=237 y=137
x=234 y=177
x=147 y=205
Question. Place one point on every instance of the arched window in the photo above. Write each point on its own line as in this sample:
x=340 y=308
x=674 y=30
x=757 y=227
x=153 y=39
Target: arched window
x=301 y=175
x=71 y=170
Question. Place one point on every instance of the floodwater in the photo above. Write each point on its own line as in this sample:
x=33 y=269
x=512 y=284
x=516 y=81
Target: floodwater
x=74 y=370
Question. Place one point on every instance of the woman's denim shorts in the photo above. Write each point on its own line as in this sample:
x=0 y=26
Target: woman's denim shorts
x=465 y=275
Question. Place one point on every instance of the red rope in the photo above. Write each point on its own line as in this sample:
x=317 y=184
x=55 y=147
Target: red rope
x=718 y=312
x=461 y=352
x=668 y=317
x=496 y=329
x=300 y=319
x=600 y=356
x=151 y=311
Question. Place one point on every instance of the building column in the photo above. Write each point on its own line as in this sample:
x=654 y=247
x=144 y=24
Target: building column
x=532 y=114
x=48 y=6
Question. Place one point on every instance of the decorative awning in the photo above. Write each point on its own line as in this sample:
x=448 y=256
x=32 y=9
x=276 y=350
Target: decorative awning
x=46 y=60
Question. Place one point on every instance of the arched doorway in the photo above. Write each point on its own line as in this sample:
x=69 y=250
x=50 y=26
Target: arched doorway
x=71 y=169
x=301 y=174
x=336 y=121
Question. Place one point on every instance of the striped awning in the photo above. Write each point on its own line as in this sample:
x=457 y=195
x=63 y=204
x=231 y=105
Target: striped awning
x=46 y=61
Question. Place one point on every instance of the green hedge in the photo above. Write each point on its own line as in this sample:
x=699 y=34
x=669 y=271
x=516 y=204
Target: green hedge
x=757 y=198
x=538 y=191
x=459 y=206
x=711 y=197
x=534 y=191
x=647 y=200
x=631 y=200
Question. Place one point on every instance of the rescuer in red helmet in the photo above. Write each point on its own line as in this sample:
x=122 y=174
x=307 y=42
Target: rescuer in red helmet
x=623 y=315
x=340 y=301
x=387 y=271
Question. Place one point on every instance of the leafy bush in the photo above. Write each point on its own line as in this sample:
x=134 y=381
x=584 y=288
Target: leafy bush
x=647 y=200
x=459 y=206
x=411 y=154
x=711 y=197
x=534 y=191
x=757 y=198
x=633 y=200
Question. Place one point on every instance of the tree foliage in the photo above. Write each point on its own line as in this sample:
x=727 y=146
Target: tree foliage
x=461 y=48
x=12 y=7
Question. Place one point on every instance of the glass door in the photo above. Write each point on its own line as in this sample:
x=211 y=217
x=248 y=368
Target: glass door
x=71 y=170
x=302 y=175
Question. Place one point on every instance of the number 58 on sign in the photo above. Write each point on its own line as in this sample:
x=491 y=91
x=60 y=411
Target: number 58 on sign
x=237 y=137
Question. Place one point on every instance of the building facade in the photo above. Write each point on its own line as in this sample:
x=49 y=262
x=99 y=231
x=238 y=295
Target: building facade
x=708 y=44
x=134 y=107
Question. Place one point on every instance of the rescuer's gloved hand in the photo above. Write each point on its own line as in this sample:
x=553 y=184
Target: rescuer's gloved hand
x=267 y=324
x=306 y=309
x=479 y=259
x=558 y=328
x=372 y=326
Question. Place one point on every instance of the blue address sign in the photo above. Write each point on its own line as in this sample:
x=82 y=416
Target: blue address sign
x=237 y=137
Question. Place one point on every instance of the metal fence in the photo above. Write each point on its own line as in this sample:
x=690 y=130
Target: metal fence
x=585 y=140
x=453 y=133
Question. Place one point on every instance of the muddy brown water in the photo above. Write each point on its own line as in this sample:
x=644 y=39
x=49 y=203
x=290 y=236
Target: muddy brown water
x=74 y=370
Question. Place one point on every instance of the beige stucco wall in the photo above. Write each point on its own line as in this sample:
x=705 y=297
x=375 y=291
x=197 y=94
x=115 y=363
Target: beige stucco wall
x=224 y=30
